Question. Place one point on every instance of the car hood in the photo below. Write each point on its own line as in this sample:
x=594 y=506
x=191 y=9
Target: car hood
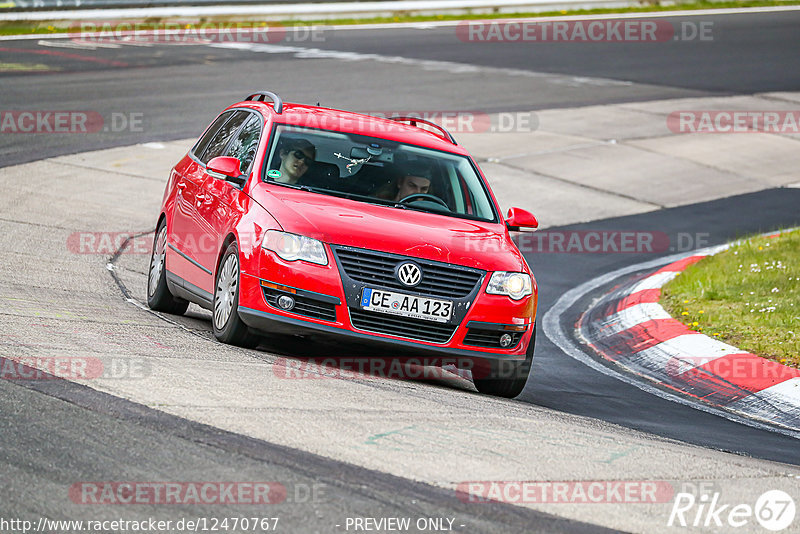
x=413 y=233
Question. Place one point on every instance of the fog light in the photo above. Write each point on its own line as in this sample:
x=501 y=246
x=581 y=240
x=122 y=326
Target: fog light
x=505 y=340
x=285 y=302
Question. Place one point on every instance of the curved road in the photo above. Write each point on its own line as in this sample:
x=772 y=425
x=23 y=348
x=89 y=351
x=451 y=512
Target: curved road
x=175 y=90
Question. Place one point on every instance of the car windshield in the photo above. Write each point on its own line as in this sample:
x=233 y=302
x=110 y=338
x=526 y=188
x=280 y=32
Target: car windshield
x=379 y=171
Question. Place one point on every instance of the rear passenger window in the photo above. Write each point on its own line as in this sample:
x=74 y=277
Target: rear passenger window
x=201 y=145
x=245 y=145
x=220 y=140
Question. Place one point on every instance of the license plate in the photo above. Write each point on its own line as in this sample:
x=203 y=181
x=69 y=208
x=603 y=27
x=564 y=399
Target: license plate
x=406 y=305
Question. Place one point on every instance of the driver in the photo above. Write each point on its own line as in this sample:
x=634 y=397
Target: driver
x=415 y=179
x=411 y=185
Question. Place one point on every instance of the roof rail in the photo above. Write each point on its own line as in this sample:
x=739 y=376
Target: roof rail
x=414 y=120
x=262 y=96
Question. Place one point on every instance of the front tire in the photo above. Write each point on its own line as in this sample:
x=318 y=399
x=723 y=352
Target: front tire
x=506 y=378
x=158 y=296
x=227 y=325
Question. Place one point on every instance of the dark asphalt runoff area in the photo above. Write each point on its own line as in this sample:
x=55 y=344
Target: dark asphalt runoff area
x=49 y=430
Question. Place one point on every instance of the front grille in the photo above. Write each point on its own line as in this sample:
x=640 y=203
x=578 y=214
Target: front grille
x=303 y=305
x=418 y=329
x=438 y=280
x=490 y=338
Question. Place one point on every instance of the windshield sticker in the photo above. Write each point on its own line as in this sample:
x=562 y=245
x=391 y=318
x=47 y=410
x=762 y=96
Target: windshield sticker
x=274 y=173
x=353 y=162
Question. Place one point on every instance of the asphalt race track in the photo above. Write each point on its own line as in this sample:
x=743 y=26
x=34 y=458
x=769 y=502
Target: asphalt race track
x=54 y=434
x=194 y=81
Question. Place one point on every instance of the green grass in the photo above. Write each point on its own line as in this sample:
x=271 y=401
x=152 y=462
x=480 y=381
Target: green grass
x=747 y=296
x=50 y=27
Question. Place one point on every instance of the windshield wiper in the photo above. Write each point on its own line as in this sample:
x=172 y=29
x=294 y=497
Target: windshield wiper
x=411 y=206
x=295 y=186
x=353 y=196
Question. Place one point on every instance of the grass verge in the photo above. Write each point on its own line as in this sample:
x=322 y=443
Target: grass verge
x=66 y=26
x=747 y=296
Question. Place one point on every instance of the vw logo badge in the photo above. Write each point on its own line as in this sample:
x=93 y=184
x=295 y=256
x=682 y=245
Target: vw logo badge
x=409 y=274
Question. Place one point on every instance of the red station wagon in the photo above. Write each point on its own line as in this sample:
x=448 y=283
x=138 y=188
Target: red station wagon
x=296 y=219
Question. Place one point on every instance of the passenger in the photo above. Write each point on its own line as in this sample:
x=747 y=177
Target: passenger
x=415 y=179
x=296 y=156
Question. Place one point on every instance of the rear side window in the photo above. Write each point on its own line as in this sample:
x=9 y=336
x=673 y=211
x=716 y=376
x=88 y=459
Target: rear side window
x=220 y=139
x=201 y=145
x=245 y=145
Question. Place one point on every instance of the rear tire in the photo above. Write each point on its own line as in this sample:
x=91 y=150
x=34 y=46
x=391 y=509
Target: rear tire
x=506 y=378
x=158 y=296
x=227 y=325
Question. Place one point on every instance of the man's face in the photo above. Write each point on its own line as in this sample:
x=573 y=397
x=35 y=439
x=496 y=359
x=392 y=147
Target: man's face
x=412 y=185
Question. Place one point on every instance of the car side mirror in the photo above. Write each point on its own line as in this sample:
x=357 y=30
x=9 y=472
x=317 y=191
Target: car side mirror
x=518 y=219
x=226 y=168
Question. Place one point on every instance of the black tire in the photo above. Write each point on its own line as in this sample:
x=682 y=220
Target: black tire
x=158 y=296
x=226 y=323
x=505 y=378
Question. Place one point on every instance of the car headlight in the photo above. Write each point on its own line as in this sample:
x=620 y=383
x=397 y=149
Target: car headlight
x=515 y=285
x=293 y=247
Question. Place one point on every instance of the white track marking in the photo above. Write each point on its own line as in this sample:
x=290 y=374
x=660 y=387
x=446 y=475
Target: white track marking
x=425 y=64
x=776 y=395
x=654 y=282
x=66 y=44
x=135 y=43
x=98 y=44
x=630 y=317
x=678 y=350
x=551 y=325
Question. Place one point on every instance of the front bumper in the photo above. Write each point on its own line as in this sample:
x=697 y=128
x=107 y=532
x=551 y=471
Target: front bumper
x=270 y=323
x=327 y=301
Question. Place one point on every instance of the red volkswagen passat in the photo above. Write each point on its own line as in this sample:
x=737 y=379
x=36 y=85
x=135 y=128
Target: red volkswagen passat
x=286 y=218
